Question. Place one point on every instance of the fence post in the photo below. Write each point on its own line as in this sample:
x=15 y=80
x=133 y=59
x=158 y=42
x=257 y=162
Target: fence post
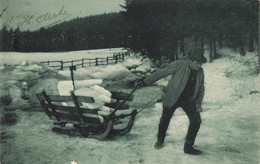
x=116 y=58
x=61 y=65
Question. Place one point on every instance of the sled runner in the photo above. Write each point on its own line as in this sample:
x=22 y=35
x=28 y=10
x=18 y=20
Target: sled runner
x=77 y=120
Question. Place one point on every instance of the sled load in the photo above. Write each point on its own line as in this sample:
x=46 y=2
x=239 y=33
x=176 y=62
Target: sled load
x=77 y=116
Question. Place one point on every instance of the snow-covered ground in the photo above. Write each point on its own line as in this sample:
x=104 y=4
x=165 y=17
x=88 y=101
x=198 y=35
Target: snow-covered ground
x=229 y=132
x=11 y=58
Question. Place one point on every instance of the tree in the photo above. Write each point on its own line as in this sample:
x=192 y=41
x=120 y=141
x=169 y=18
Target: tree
x=159 y=28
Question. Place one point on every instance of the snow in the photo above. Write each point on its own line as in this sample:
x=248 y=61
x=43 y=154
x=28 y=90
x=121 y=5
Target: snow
x=100 y=72
x=65 y=86
x=86 y=88
x=11 y=58
x=230 y=119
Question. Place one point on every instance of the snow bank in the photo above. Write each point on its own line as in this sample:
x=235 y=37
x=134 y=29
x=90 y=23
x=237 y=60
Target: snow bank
x=111 y=72
x=98 y=72
x=112 y=75
x=65 y=87
x=13 y=58
x=132 y=62
x=20 y=84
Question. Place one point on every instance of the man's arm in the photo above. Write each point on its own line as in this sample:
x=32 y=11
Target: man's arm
x=171 y=69
x=200 y=94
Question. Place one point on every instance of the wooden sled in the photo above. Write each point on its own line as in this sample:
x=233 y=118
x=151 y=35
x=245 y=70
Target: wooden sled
x=77 y=120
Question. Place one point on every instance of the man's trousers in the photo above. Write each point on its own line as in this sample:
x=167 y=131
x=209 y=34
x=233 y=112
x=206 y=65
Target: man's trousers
x=193 y=115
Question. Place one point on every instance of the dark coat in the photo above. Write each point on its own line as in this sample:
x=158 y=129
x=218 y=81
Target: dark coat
x=180 y=71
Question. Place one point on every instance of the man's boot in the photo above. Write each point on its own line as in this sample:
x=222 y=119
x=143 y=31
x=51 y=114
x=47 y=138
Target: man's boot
x=159 y=144
x=188 y=149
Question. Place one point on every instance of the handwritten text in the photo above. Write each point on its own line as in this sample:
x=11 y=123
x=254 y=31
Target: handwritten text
x=48 y=19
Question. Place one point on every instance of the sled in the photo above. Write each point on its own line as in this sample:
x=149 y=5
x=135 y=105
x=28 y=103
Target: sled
x=77 y=120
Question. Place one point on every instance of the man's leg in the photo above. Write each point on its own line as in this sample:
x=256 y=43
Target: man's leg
x=163 y=125
x=195 y=121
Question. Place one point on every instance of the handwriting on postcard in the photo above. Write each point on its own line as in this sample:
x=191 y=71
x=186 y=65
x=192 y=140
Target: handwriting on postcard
x=50 y=18
x=43 y=20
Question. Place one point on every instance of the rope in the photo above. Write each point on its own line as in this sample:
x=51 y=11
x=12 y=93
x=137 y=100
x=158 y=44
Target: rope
x=146 y=106
x=120 y=105
x=149 y=104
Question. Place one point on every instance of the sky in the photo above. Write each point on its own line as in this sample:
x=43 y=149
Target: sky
x=34 y=14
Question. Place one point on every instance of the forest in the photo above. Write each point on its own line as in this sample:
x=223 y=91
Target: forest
x=156 y=28
x=93 y=32
x=169 y=27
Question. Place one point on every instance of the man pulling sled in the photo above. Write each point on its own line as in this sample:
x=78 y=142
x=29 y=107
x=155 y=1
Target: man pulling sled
x=185 y=90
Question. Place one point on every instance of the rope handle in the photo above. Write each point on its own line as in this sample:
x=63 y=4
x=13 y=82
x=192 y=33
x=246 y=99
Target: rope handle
x=149 y=104
x=120 y=105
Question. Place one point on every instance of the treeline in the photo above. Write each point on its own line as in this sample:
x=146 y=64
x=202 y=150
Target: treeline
x=167 y=27
x=157 y=28
x=93 y=32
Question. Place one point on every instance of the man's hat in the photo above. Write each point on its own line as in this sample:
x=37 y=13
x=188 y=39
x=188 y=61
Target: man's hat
x=197 y=55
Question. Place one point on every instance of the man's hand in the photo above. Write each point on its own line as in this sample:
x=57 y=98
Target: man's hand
x=198 y=107
x=139 y=83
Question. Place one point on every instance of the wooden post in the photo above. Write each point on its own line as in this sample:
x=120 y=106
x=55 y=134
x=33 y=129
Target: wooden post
x=96 y=61
x=47 y=98
x=116 y=58
x=48 y=62
x=61 y=65
x=76 y=103
x=71 y=62
x=123 y=56
x=107 y=60
x=82 y=62
x=210 y=50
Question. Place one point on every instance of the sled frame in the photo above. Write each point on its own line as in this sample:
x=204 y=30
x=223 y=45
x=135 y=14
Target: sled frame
x=86 y=122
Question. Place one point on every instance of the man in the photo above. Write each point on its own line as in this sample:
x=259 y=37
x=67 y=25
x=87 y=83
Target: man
x=186 y=90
